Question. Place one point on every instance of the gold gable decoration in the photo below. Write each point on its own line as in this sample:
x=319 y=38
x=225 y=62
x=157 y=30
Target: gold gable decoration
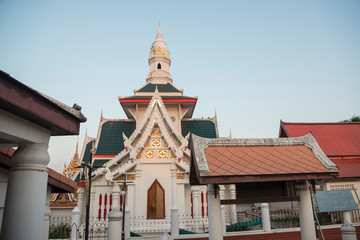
x=159 y=51
x=181 y=174
x=127 y=176
x=156 y=132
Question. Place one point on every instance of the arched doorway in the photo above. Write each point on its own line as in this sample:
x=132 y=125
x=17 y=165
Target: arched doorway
x=156 y=201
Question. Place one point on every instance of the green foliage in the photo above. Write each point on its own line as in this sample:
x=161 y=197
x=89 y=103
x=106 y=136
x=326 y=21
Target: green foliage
x=352 y=119
x=60 y=232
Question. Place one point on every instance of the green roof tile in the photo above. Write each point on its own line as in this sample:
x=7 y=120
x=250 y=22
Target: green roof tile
x=161 y=88
x=99 y=162
x=111 y=138
x=202 y=128
x=87 y=154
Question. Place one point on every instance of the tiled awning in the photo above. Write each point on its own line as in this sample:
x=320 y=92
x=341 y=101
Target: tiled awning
x=258 y=160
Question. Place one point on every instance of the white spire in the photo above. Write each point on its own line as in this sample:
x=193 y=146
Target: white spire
x=159 y=36
x=159 y=61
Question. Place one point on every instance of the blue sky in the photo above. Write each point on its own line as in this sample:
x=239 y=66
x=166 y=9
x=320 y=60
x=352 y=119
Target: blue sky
x=253 y=62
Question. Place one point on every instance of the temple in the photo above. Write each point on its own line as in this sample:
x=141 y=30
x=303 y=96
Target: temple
x=148 y=153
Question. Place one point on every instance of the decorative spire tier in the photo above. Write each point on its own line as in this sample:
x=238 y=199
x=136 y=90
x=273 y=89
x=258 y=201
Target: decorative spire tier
x=159 y=61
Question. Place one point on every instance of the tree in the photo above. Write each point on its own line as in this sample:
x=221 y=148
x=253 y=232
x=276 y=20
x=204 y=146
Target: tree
x=352 y=119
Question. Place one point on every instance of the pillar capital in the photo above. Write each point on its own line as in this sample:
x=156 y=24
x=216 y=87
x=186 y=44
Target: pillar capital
x=31 y=156
x=303 y=186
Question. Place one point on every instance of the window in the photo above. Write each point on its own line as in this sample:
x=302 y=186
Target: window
x=159 y=66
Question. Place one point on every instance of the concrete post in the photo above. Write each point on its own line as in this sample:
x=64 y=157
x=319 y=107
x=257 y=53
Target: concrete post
x=75 y=223
x=215 y=225
x=26 y=194
x=114 y=224
x=81 y=201
x=174 y=221
x=127 y=223
x=196 y=207
x=306 y=217
x=232 y=189
x=347 y=216
x=265 y=217
x=348 y=231
x=223 y=220
x=47 y=214
x=115 y=196
x=138 y=191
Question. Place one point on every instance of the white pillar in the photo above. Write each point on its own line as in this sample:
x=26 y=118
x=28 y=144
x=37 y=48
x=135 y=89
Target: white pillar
x=347 y=216
x=81 y=201
x=127 y=223
x=232 y=190
x=306 y=217
x=223 y=219
x=215 y=225
x=114 y=224
x=47 y=214
x=348 y=231
x=138 y=192
x=94 y=206
x=75 y=223
x=26 y=193
x=265 y=217
x=115 y=196
x=174 y=221
x=3 y=186
x=196 y=207
x=173 y=174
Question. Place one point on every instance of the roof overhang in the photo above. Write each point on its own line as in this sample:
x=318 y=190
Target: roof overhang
x=127 y=103
x=29 y=104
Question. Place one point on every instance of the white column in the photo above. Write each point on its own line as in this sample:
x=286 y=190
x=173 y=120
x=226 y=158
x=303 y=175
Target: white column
x=3 y=185
x=139 y=201
x=47 y=214
x=223 y=221
x=306 y=216
x=94 y=206
x=265 y=217
x=127 y=223
x=173 y=174
x=232 y=190
x=347 y=216
x=174 y=208
x=75 y=223
x=215 y=225
x=81 y=201
x=26 y=194
x=115 y=196
x=114 y=224
x=174 y=221
x=196 y=207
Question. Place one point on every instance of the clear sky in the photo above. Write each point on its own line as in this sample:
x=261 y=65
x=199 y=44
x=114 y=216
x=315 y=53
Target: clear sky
x=253 y=62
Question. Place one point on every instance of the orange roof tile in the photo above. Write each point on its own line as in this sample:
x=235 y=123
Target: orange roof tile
x=261 y=160
x=224 y=160
x=335 y=139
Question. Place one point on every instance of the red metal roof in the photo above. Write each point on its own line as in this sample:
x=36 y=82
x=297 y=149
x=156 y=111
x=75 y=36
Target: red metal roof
x=335 y=139
x=348 y=167
x=262 y=160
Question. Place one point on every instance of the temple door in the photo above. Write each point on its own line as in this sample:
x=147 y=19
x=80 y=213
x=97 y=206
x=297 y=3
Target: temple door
x=156 y=201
